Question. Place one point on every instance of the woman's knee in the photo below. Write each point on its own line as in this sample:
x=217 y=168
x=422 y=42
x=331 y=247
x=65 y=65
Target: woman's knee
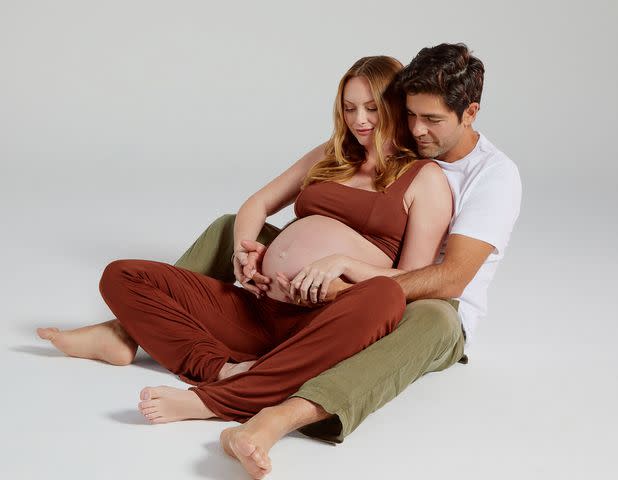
x=381 y=298
x=114 y=273
x=386 y=292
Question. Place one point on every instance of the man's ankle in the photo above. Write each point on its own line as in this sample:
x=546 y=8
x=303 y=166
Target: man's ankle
x=299 y=412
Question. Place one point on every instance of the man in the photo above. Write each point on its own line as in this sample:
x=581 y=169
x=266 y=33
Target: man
x=442 y=87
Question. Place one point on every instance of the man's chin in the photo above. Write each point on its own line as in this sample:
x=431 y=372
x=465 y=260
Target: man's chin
x=428 y=152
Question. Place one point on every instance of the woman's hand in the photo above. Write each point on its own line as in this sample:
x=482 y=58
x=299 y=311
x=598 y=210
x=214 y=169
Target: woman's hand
x=312 y=282
x=246 y=263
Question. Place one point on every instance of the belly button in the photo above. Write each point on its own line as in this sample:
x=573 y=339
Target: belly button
x=283 y=255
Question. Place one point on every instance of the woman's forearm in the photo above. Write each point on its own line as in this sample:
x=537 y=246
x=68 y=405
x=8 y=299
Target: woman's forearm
x=357 y=271
x=249 y=221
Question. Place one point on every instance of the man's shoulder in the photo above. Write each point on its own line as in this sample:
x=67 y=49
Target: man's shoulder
x=494 y=162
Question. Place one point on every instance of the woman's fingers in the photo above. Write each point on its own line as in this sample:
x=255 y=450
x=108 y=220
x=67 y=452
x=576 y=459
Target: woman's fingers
x=284 y=286
x=283 y=282
x=242 y=257
x=248 y=271
x=261 y=281
x=253 y=289
x=253 y=246
x=253 y=259
x=238 y=271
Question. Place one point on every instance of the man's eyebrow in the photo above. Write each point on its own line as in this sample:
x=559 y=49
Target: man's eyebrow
x=428 y=115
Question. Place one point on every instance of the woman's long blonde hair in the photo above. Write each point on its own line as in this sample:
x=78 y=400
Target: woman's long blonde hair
x=343 y=154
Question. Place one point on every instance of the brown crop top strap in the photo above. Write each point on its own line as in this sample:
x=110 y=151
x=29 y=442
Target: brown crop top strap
x=399 y=186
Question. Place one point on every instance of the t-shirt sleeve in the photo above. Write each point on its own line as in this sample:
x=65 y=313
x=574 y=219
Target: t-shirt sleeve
x=490 y=210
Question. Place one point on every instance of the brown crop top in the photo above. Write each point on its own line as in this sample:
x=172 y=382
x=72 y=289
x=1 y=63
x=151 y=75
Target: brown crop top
x=378 y=216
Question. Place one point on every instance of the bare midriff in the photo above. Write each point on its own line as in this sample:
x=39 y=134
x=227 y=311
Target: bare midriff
x=311 y=238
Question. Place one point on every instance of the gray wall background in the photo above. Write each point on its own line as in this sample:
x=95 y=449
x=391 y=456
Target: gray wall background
x=127 y=126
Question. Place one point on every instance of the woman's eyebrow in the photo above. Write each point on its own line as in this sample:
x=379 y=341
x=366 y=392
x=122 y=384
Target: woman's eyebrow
x=364 y=103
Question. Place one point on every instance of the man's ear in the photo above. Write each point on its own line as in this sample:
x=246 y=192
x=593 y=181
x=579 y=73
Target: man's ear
x=469 y=114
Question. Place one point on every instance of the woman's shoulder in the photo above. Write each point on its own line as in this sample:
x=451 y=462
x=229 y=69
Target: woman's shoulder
x=428 y=178
x=423 y=170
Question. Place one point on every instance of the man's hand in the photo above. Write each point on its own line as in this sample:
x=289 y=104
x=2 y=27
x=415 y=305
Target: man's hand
x=313 y=281
x=335 y=287
x=248 y=265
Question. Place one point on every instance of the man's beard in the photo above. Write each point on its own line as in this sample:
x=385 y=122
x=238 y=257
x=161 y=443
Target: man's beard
x=429 y=151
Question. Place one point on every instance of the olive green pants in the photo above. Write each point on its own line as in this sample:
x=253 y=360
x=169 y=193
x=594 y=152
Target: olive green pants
x=429 y=338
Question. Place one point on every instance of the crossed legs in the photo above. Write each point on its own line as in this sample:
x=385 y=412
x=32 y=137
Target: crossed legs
x=428 y=339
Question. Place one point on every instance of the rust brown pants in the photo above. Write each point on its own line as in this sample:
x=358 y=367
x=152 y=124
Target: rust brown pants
x=193 y=324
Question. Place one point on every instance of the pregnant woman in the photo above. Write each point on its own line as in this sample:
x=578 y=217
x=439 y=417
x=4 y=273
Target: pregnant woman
x=364 y=204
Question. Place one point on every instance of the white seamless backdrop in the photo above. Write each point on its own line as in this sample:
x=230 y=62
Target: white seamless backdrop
x=127 y=126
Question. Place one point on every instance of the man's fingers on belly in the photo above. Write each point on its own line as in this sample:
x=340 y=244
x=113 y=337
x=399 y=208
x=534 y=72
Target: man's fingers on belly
x=314 y=289
x=305 y=286
x=324 y=289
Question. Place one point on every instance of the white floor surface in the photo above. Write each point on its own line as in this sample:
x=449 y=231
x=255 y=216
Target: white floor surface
x=537 y=400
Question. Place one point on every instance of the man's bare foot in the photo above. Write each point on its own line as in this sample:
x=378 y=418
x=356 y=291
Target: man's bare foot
x=169 y=404
x=230 y=369
x=240 y=444
x=106 y=341
x=251 y=442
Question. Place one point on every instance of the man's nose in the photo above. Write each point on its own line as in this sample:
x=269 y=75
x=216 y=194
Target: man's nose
x=417 y=128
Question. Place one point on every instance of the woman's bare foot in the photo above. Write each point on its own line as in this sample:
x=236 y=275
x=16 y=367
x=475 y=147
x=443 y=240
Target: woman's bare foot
x=169 y=404
x=106 y=341
x=230 y=369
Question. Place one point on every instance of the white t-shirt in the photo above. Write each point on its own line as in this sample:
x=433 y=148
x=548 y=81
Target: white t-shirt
x=487 y=195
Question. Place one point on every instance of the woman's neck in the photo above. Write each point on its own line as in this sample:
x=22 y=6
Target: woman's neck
x=371 y=154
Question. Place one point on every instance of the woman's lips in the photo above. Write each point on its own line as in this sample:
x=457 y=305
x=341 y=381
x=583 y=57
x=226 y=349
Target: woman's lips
x=365 y=131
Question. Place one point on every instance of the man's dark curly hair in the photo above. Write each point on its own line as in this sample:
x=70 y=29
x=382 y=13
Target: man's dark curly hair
x=448 y=70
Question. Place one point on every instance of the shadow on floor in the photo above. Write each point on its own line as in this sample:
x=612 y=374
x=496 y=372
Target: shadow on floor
x=218 y=465
x=39 y=351
x=142 y=360
x=128 y=417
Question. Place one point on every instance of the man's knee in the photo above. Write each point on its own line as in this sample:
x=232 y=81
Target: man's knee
x=220 y=230
x=224 y=221
x=436 y=317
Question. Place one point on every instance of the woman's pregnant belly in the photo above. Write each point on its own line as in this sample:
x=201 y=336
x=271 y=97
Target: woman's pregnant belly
x=309 y=239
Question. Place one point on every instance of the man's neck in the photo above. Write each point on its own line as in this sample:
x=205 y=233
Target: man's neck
x=467 y=143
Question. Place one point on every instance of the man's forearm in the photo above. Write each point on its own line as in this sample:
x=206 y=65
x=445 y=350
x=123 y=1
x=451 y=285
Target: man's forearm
x=433 y=281
x=356 y=270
